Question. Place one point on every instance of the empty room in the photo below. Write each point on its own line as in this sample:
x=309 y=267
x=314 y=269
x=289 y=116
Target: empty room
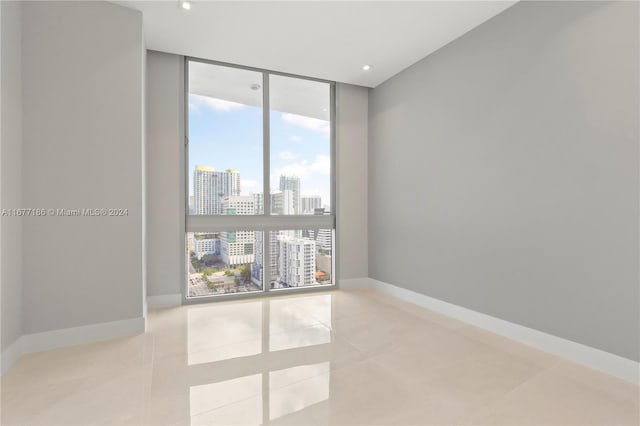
x=320 y=212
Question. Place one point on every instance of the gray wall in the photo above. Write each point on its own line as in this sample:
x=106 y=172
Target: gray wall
x=504 y=172
x=83 y=129
x=11 y=176
x=352 y=159
x=165 y=181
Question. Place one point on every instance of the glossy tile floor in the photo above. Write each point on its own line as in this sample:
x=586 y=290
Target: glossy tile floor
x=343 y=357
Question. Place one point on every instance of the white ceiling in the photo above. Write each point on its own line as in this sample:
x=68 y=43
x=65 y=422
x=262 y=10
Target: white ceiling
x=323 y=39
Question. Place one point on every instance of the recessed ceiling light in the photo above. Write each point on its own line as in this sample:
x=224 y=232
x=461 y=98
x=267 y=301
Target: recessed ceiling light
x=367 y=67
x=186 y=5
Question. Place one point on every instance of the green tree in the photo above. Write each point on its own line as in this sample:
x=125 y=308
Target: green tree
x=208 y=271
x=245 y=272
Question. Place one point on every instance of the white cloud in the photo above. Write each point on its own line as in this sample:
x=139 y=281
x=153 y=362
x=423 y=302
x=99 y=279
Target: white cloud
x=195 y=101
x=295 y=138
x=249 y=186
x=308 y=123
x=322 y=165
x=287 y=155
x=303 y=169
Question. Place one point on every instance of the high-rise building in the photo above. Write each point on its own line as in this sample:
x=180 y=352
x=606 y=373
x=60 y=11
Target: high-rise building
x=257 y=268
x=203 y=247
x=238 y=247
x=309 y=204
x=292 y=183
x=322 y=237
x=296 y=262
x=283 y=202
x=210 y=187
x=258 y=199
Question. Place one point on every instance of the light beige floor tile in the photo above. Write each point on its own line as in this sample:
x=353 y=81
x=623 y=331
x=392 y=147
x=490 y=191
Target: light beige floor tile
x=297 y=418
x=362 y=393
x=338 y=353
x=248 y=412
x=119 y=400
x=335 y=358
x=518 y=349
x=312 y=335
x=430 y=315
x=298 y=397
x=555 y=399
x=587 y=376
x=414 y=359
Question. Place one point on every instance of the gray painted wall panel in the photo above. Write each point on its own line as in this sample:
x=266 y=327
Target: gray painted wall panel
x=503 y=172
x=352 y=181
x=165 y=224
x=82 y=105
x=11 y=178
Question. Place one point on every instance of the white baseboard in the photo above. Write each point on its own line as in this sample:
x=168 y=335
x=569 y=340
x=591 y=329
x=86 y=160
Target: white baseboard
x=597 y=359
x=353 y=283
x=10 y=355
x=164 y=301
x=46 y=340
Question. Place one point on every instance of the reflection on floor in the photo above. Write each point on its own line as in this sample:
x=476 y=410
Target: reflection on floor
x=341 y=357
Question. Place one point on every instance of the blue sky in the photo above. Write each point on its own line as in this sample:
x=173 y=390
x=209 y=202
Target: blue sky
x=228 y=135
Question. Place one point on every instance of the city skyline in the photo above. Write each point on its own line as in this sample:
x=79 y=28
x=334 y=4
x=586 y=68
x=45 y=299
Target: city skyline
x=210 y=186
x=226 y=135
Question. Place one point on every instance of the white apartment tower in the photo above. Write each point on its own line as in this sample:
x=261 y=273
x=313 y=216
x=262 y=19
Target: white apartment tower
x=283 y=202
x=310 y=204
x=210 y=187
x=297 y=262
x=258 y=199
x=205 y=246
x=239 y=247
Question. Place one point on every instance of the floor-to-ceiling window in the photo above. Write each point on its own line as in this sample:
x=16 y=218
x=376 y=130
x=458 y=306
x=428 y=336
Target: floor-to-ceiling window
x=260 y=180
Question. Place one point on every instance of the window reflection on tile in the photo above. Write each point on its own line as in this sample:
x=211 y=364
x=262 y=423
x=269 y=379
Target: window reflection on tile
x=316 y=307
x=317 y=334
x=299 y=322
x=227 y=402
x=294 y=389
x=290 y=314
x=219 y=332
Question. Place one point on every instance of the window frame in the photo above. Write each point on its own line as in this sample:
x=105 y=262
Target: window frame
x=265 y=222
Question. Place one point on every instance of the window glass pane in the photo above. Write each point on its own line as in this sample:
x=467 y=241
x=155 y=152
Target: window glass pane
x=300 y=141
x=224 y=262
x=225 y=140
x=301 y=258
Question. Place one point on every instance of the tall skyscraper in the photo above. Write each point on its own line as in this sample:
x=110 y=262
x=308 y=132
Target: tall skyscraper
x=257 y=269
x=210 y=187
x=238 y=247
x=292 y=183
x=310 y=204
